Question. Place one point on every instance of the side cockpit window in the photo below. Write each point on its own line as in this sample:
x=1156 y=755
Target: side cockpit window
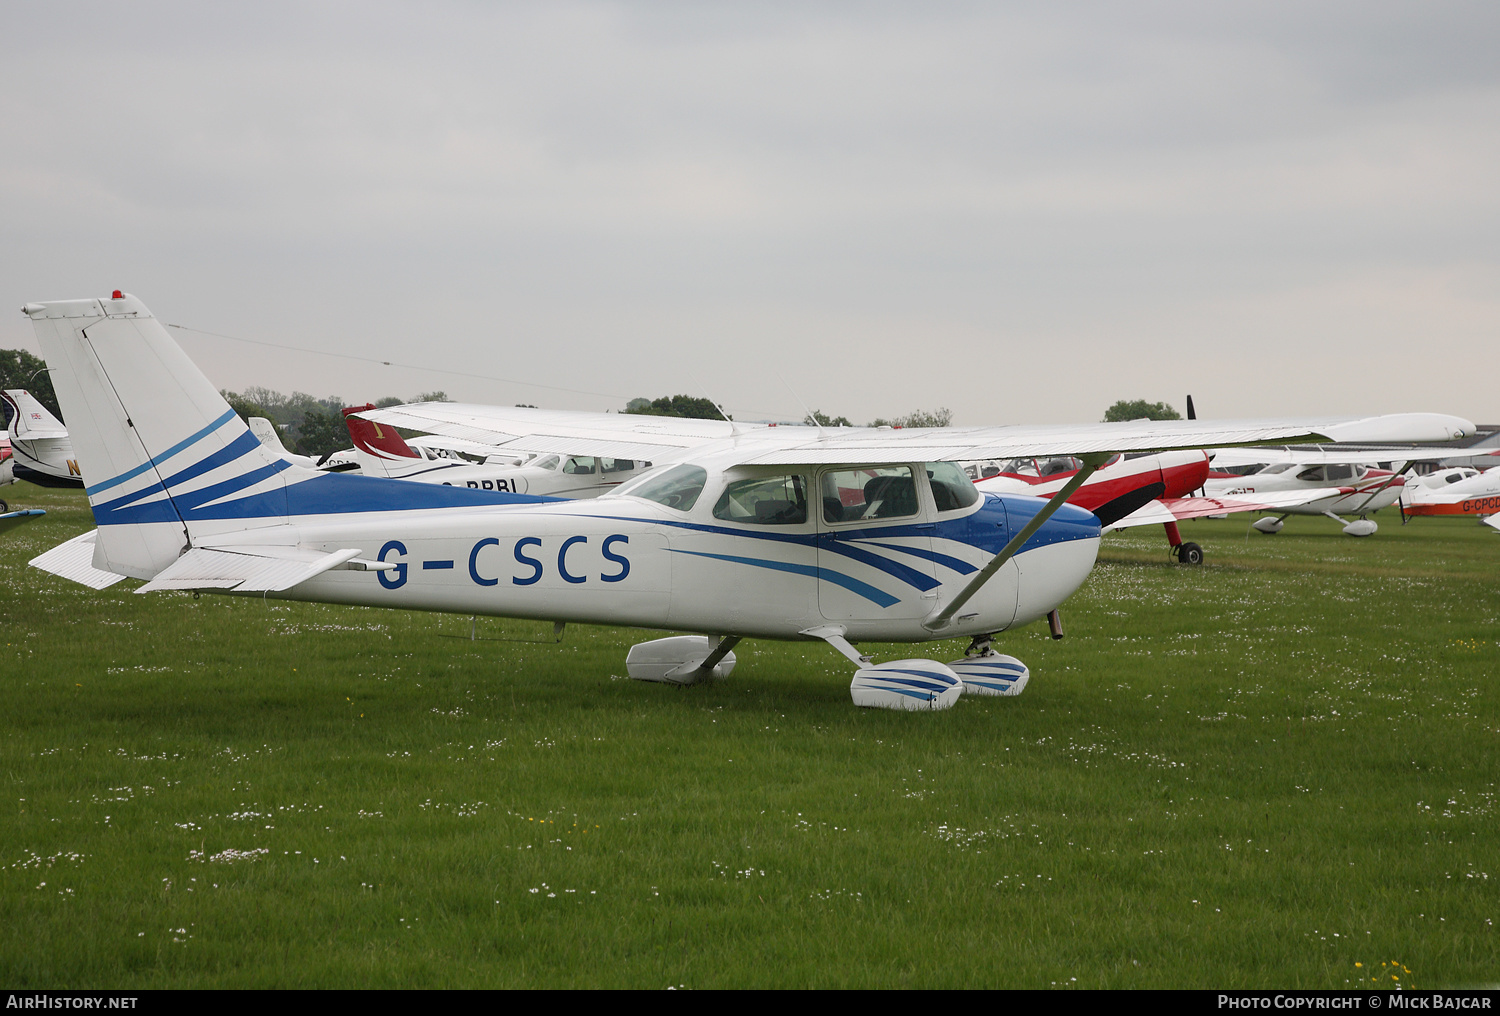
x=861 y=495
x=677 y=487
x=764 y=501
x=951 y=487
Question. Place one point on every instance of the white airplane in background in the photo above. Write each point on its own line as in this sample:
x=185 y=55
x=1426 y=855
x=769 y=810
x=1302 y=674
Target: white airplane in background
x=794 y=533
x=1460 y=491
x=381 y=451
x=40 y=450
x=265 y=432
x=1134 y=490
x=1362 y=487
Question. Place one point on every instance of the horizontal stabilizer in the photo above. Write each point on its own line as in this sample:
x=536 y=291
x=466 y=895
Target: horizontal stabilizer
x=263 y=569
x=74 y=561
x=1178 y=509
x=11 y=520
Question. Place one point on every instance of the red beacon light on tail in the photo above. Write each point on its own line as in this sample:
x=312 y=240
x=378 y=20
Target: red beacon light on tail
x=117 y=295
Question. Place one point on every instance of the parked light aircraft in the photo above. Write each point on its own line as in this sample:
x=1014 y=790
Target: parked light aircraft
x=381 y=451
x=1138 y=490
x=1477 y=494
x=265 y=432
x=1363 y=488
x=1114 y=492
x=788 y=533
x=41 y=452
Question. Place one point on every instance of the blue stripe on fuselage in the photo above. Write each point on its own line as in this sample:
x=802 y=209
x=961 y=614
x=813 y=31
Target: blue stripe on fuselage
x=869 y=592
x=179 y=446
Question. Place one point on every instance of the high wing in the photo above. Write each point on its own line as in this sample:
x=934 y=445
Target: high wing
x=625 y=435
x=807 y=446
x=1178 y=509
x=1322 y=457
x=666 y=438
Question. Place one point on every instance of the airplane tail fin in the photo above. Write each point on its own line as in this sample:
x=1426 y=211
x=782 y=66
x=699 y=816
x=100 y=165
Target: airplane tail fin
x=265 y=432
x=164 y=458
x=27 y=419
x=379 y=449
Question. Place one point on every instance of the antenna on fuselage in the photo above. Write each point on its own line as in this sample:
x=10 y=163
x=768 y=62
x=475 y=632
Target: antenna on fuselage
x=1192 y=415
x=810 y=414
x=733 y=427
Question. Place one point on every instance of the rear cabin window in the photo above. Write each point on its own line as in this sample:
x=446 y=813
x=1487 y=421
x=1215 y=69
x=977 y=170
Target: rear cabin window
x=579 y=464
x=764 y=501
x=855 y=495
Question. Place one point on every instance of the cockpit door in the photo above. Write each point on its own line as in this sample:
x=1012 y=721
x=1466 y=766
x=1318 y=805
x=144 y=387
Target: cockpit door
x=875 y=530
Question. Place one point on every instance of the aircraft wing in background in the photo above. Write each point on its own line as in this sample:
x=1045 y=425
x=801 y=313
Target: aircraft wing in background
x=1178 y=509
x=566 y=432
x=664 y=439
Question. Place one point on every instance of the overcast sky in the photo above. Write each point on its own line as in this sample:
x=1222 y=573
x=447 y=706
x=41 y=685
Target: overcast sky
x=1020 y=211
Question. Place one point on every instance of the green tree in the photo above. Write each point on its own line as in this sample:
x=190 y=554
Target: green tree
x=919 y=418
x=20 y=369
x=321 y=432
x=432 y=397
x=1140 y=409
x=288 y=412
x=825 y=420
x=245 y=408
x=689 y=406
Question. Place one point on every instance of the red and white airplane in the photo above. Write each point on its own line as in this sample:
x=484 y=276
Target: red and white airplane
x=1135 y=490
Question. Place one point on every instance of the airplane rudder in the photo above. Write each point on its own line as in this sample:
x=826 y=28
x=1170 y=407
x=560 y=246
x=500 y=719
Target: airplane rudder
x=146 y=422
x=380 y=450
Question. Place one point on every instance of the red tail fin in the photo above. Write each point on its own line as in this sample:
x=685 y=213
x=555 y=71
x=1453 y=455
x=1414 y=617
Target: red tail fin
x=381 y=442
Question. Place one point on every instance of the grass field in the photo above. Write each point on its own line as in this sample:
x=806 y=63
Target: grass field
x=1278 y=769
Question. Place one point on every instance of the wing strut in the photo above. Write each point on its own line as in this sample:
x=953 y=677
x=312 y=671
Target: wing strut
x=942 y=618
x=1389 y=480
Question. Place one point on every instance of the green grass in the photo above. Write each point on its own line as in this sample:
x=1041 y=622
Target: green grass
x=1255 y=773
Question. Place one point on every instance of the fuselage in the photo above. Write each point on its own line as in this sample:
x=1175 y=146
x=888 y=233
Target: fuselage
x=628 y=560
x=1476 y=494
x=1362 y=489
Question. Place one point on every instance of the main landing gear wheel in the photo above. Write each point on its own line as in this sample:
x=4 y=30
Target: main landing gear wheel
x=4 y=507
x=1189 y=553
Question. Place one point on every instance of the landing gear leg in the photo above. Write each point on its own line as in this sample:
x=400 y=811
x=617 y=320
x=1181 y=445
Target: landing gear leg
x=1187 y=553
x=900 y=684
x=980 y=646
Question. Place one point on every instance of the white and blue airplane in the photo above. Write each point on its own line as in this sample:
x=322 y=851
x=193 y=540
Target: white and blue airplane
x=797 y=533
x=41 y=452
